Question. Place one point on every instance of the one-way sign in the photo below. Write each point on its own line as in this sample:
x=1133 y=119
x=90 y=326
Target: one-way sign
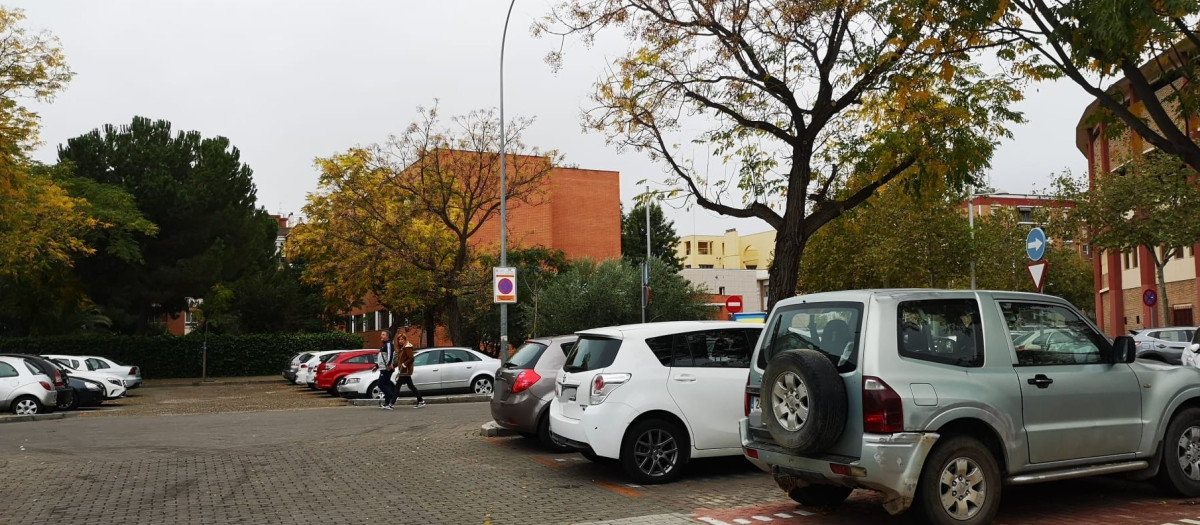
x=1035 y=244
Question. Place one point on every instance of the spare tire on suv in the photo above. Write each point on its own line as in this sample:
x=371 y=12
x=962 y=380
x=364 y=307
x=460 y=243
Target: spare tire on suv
x=803 y=401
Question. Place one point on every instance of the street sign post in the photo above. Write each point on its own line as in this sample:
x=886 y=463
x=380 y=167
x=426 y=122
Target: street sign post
x=734 y=304
x=1037 y=270
x=1035 y=244
x=1149 y=298
x=504 y=285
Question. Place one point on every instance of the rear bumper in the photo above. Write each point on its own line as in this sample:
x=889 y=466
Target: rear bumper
x=889 y=463
x=519 y=412
x=601 y=427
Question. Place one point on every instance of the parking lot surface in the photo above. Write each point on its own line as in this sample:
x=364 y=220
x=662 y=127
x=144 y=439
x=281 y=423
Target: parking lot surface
x=348 y=464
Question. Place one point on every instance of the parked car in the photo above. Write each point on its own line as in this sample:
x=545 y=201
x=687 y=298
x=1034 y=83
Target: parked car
x=331 y=373
x=130 y=375
x=52 y=370
x=525 y=386
x=24 y=389
x=434 y=370
x=654 y=395
x=1163 y=344
x=85 y=392
x=293 y=366
x=114 y=386
x=307 y=373
x=880 y=405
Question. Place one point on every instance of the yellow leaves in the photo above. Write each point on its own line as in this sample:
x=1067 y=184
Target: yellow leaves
x=947 y=71
x=41 y=226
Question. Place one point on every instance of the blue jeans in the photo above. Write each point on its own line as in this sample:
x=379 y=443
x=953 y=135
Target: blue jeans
x=385 y=384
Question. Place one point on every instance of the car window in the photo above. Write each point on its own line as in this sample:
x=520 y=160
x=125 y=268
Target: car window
x=456 y=356
x=832 y=328
x=362 y=359
x=427 y=358
x=33 y=369
x=1060 y=336
x=7 y=370
x=712 y=348
x=1174 y=336
x=592 y=353
x=96 y=364
x=527 y=355
x=325 y=358
x=943 y=331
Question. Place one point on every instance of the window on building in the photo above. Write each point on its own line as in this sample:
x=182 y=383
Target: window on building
x=751 y=266
x=703 y=247
x=687 y=247
x=720 y=290
x=1191 y=251
x=1133 y=259
x=1125 y=260
x=369 y=322
x=705 y=266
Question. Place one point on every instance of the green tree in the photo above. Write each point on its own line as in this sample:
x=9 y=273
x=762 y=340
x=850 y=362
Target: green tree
x=1099 y=44
x=536 y=268
x=1001 y=262
x=1148 y=203
x=202 y=199
x=813 y=105
x=591 y=295
x=896 y=240
x=663 y=239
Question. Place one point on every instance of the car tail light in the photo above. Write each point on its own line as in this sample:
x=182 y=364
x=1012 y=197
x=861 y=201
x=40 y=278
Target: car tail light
x=304 y=365
x=751 y=453
x=883 y=411
x=525 y=379
x=133 y=371
x=604 y=384
x=58 y=379
x=45 y=385
x=329 y=367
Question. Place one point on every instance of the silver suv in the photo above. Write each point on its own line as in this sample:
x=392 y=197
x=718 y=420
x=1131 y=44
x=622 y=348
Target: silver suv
x=923 y=395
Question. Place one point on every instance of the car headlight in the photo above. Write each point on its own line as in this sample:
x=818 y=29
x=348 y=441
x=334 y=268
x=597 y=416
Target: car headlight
x=351 y=380
x=93 y=386
x=116 y=381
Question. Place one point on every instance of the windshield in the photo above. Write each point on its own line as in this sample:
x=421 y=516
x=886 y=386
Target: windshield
x=830 y=328
x=527 y=355
x=592 y=353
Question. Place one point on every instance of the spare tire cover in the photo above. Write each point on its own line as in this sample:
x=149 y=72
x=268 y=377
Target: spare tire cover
x=803 y=401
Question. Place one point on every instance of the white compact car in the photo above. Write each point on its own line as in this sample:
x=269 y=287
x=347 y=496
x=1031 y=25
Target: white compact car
x=654 y=395
x=131 y=376
x=434 y=369
x=24 y=389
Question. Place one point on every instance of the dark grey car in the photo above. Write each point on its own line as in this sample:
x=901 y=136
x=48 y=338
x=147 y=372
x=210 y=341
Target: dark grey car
x=525 y=387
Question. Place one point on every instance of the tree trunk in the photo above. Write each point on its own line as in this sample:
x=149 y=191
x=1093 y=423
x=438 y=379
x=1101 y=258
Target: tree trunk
x=1162 y=294
x=453 y=318
x=429 y=321
x=785 y=267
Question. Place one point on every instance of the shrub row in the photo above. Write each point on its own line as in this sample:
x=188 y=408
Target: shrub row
x=172 y=356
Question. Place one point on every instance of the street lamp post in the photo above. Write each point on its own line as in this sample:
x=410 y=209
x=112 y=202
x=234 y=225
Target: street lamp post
x=193 y=303
x=503 y=352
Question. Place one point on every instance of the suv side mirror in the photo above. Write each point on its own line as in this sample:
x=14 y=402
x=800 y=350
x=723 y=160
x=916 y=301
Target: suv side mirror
x=1124 y=350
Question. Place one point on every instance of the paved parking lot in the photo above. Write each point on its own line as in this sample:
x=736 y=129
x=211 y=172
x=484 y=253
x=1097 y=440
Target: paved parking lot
x=358 y=464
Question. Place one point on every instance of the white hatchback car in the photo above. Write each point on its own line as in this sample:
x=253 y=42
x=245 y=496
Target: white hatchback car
x=654 y=395
x=307 y=373
x=24 y=389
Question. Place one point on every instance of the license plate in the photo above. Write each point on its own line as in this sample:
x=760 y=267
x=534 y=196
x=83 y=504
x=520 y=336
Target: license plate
x=569 y=392
x=755 y=404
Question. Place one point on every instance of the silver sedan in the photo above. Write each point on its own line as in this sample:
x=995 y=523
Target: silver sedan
x=434 y=370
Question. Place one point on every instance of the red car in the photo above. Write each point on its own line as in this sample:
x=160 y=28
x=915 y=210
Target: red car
x=331 y=372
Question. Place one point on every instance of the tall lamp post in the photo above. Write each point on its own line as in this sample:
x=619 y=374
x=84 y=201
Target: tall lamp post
x=503 y=351
x=194 y=303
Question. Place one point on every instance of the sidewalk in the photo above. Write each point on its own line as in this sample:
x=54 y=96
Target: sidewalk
x=211 y=381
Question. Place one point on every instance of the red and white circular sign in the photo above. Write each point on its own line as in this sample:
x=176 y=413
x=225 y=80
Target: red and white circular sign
x=733 y=304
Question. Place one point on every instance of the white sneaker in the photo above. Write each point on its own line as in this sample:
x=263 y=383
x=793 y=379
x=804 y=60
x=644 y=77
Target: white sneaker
x=387 y=407
x=420 y=404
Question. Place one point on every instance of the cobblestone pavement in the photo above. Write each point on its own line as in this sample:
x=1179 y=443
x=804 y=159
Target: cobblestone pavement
x=408 y=466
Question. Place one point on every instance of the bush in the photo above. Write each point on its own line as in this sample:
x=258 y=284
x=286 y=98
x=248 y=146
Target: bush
x=171 y=356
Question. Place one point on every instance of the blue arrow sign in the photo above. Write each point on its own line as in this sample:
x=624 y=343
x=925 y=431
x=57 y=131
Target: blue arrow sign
x=1035 y=244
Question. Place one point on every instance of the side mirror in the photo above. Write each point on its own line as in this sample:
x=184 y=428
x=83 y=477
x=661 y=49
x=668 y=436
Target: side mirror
x=1124 y=350
x=1194 y=347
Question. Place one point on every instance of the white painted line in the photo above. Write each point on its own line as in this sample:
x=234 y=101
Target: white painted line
x=762 y=518
x=713 y=521
x=634 y=486
x=783 y=515
x=803 y=512
x=742 y=521
x=1190 y=522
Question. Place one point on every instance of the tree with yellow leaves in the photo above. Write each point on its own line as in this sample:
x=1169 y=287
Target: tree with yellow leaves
x=812 y=106
x=399 y=220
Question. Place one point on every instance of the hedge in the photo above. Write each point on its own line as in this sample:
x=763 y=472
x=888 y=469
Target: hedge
x=172 y=356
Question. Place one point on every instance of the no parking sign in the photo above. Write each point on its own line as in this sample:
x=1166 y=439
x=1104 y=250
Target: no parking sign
x=504 y=284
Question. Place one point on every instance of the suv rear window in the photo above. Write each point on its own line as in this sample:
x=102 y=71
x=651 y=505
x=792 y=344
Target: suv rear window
x=831 y=328
x=527 y=355
x=591 y=353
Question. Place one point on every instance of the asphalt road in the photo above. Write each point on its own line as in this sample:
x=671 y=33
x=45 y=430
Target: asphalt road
x=408 y=466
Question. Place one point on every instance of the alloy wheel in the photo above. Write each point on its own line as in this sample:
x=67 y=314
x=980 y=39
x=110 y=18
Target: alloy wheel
x=963 y=488
x=655 y=452
x=26 y=407
x=789 y=401
x=1188 y=453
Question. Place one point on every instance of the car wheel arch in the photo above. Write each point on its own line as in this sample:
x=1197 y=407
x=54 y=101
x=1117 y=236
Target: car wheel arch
x=664 y=415
x=981 y=431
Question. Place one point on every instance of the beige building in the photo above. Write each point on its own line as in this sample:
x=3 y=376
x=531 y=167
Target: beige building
x=728 y=251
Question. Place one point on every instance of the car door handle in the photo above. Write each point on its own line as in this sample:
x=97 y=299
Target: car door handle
x=685 y=378
x=1040 y=380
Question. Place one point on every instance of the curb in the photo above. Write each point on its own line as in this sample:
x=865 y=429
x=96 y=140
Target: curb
x=38 y=417
x=218 y=382
x=429 y=400
x=491 y=429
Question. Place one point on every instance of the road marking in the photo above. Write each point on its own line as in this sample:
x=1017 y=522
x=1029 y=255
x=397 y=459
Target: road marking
x=1190 y=522
x=742 y=521
x=496 y=442
x=713 y=521
x=783 y=515
x=619 y=489
x=547 y=462
x=762 y=518
x=803 y=512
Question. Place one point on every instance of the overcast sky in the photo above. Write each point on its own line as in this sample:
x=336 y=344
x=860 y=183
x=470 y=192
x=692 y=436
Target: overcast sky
x=287 y=81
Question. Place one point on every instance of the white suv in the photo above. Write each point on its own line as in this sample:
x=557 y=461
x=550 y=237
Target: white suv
x=654 y=395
